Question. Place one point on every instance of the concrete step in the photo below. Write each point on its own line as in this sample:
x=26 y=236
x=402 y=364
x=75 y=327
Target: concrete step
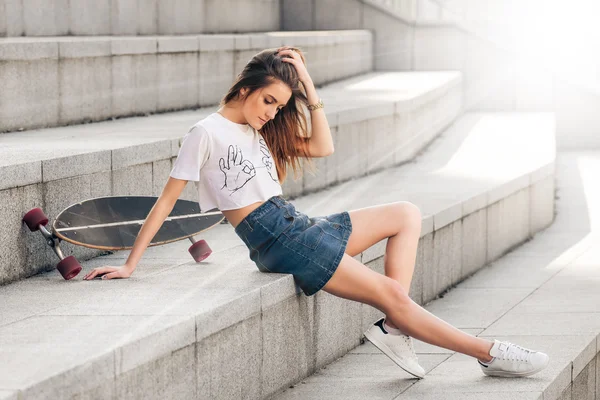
x=542 y=295
x=214 y=329
x=54 y=168
x=131 y=17
x=57 y=81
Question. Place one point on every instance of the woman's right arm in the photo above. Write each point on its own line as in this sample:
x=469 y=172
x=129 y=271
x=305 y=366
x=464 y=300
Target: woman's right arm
x=161 y=210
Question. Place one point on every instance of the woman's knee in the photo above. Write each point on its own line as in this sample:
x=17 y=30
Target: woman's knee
x=394 y=296
x=409 y=214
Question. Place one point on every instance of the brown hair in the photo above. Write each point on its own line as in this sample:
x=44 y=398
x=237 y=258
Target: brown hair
x=284 y=133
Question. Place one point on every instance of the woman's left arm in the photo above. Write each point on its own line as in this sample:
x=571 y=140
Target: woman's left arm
x=320 y=143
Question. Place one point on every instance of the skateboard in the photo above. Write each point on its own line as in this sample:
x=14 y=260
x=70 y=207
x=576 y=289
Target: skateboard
x=113 y=223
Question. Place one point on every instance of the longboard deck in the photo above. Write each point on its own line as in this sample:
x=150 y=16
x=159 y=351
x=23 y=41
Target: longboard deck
x=113 y=223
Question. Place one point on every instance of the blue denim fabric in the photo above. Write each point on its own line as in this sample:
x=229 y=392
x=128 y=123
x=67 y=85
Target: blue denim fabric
x=281 y=239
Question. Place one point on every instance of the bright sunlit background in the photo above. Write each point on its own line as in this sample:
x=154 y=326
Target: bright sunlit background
x=556 y=35
x=515 y=55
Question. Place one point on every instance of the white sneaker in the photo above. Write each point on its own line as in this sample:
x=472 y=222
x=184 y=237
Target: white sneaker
x=397 y=347
x=511 y=360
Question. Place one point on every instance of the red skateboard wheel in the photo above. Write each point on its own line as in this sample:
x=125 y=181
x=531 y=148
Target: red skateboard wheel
x=69 y=267
x=200 y=250
x=34 y=218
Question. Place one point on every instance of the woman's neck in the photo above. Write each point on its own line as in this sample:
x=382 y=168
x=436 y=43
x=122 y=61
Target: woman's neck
x=233 y=114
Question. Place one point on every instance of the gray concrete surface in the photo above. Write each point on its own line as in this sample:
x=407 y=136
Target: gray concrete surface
x=136 y=17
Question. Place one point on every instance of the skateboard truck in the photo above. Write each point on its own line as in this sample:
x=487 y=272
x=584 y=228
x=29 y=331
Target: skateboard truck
x=36 y=220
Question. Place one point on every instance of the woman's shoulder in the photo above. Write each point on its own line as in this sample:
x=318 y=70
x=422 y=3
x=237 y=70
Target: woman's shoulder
x=202 y=127
x=210 y=124
x=198 y=135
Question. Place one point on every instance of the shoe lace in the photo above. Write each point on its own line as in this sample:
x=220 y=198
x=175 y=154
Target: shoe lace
x=407 y=346
x=514 y=352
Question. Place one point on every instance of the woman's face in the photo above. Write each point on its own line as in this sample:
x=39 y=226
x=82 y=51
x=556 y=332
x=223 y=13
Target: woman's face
x=263 y=105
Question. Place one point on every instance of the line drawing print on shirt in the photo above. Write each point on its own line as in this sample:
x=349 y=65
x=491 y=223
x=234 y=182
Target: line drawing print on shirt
x=267 y=159
x=237 y=171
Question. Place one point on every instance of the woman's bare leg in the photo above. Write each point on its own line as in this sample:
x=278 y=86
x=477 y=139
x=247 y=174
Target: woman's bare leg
x=355 y=281
x=400 y=223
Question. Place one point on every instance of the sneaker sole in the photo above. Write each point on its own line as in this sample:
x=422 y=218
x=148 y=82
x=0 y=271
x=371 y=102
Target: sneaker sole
x=505 y=374
x=388 y=352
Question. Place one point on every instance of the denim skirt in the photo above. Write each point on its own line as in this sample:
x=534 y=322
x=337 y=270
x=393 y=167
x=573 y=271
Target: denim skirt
x=281 y=239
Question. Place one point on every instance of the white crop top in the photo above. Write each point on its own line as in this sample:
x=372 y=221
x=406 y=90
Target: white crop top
x=230 y=163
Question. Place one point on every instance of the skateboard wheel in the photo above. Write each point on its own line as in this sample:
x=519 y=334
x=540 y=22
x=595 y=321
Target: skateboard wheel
x=35 y=218
x=200 y=250
x=69 y=267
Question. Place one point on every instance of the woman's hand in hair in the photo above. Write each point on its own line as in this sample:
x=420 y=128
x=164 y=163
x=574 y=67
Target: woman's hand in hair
x=296 y=60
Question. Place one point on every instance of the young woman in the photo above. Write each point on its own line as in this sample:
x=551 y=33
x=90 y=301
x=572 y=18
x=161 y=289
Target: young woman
x=239 y=157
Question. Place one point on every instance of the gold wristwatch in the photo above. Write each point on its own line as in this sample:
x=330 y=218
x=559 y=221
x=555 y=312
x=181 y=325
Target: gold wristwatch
x=313 y=107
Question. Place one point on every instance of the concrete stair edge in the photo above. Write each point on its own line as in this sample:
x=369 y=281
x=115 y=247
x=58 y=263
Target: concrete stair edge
x=65 y=81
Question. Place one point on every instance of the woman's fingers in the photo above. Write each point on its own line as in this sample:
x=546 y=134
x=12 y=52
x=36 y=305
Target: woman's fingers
x=289 y=52
x=91 y=274
x=98 y=272
x=294 y=58
x=111 y=275
x=290 y=60
x=109 y=272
